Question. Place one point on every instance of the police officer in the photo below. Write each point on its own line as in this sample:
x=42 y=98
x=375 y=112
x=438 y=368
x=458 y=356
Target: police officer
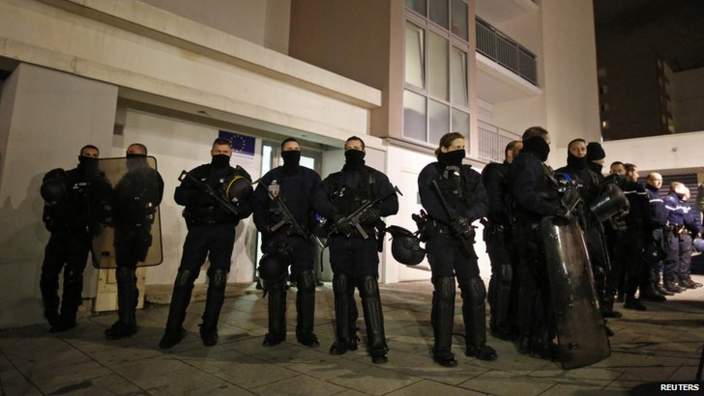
x=497 y=236
x=77 y=201
x=354 y=258
x=454 y=197
x=594 y=232
x=297 y=190
x=629 y=245
x=677 y=239
x=617 y=168
x=135 y=200
x=211 y=233
x=693 y=226
x=655 y=250
x=534 y=197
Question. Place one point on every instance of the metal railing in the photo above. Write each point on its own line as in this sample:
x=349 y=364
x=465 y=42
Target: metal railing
x=493 y=141
x=499 y=47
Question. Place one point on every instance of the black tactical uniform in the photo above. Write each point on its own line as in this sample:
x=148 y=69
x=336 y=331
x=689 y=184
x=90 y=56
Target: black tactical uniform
x=449 y=239
x=534 y=197
x=135 y=200
x=77 y=202
x=588 y=183
x=211 y=233
x=497 y=236
x=355 y=260
x=299 y=189
x=629 y=247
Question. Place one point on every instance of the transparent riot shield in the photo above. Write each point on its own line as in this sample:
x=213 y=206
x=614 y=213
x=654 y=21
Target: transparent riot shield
x=581 y=330
x=134 y=228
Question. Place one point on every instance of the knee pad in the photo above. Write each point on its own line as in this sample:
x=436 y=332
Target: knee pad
x=445 y=288
x=273 y=269
x=185 y=278
x=340 y=283
x=474 y=290
x=124 y=274
x=73 y=277
x=306 y=281
x=217 y=278
x=369 y=287
x=505 y=274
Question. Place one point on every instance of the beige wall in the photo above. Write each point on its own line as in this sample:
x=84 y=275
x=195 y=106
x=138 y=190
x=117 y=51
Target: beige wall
x=664 y=152
x=570 y=79
x=350 y=38
x=52 y=115
x=263 y=22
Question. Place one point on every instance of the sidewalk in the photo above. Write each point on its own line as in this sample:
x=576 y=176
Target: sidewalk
x=661 y=344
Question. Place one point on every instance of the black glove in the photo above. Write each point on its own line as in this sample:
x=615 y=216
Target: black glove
x=462 y=227
x=340 y=226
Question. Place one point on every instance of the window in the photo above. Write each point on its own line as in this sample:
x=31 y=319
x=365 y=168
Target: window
x=436 y=95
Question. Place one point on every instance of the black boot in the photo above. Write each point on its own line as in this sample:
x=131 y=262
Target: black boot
x=473 y=313
x=73 y=287
x=633 y=303
x=180 y=298
x=673 y=287
x=344 y=307
x=277 y=314
x=607 y=307
x=217 y=281
x=305 y=306
x=501 y=304
x=127 y=296
x=373 y=319
x=442 y=319
x=649 y=293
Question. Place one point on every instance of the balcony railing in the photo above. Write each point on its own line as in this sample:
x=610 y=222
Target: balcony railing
x=506 y=52
x=493 y=141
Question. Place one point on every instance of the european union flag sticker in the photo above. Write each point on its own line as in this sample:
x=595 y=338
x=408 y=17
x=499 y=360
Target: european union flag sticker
x=241 y=144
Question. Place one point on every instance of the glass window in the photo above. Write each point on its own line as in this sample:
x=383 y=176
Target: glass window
x=415 y=53
x=439 y=117
x=458 y=73
x=437 y=66
x=459 y=18
x=414 y=116
x=460 y=122
x=417 y=6
x=439 y=12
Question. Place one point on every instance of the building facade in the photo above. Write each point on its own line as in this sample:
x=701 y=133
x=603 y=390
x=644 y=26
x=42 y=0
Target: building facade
x=171 y=75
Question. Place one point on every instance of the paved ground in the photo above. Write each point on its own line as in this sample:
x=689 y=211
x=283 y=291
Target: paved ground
x=661 y=344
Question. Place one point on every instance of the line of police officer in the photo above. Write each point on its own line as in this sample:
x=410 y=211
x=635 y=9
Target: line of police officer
x=512 y=199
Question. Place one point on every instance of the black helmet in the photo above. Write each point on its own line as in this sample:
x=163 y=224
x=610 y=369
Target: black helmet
x=611 y=201
x=273 y=269
x=239 y=188
x=53 y=187
x=405 y=246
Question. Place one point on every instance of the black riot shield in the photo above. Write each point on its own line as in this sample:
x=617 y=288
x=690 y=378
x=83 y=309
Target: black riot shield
x=581 y=331
x=134 y=229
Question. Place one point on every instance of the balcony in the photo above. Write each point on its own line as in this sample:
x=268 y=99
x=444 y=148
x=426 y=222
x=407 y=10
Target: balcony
x=507 y=70
x=493 y=141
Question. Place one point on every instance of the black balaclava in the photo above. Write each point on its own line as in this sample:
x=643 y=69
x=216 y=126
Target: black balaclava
x=88 y=165
x=576 y=163
x=452 y=158
x=291 y=159
x=136 y=161
x=354 y=159
x=594 y=153
x=538 y=146
x=221 y=161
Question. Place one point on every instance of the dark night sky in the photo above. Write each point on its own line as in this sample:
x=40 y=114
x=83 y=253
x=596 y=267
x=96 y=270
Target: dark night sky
x=674 y=29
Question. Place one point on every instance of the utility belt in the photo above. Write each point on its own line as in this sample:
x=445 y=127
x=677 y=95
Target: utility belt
x=494 y=227
x=370 y=230
x=676 y=229
x=207 y=215
x=434 y=228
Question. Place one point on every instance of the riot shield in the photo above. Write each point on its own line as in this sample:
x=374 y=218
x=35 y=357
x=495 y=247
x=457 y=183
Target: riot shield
x=581 y=331
x=135 y=225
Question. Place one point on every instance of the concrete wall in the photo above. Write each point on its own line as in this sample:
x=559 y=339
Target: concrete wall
x=47 y=117
x=570 y=79
x=688 y=100
x=263 y=22
x=676 y=151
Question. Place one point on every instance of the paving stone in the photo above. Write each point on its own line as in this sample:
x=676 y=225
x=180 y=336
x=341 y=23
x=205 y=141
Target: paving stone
x=507 y=383
x=374 y=380
x=300 y=386
x=432 y=388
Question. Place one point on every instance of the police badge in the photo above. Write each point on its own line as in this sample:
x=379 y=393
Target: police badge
x=274 y=189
